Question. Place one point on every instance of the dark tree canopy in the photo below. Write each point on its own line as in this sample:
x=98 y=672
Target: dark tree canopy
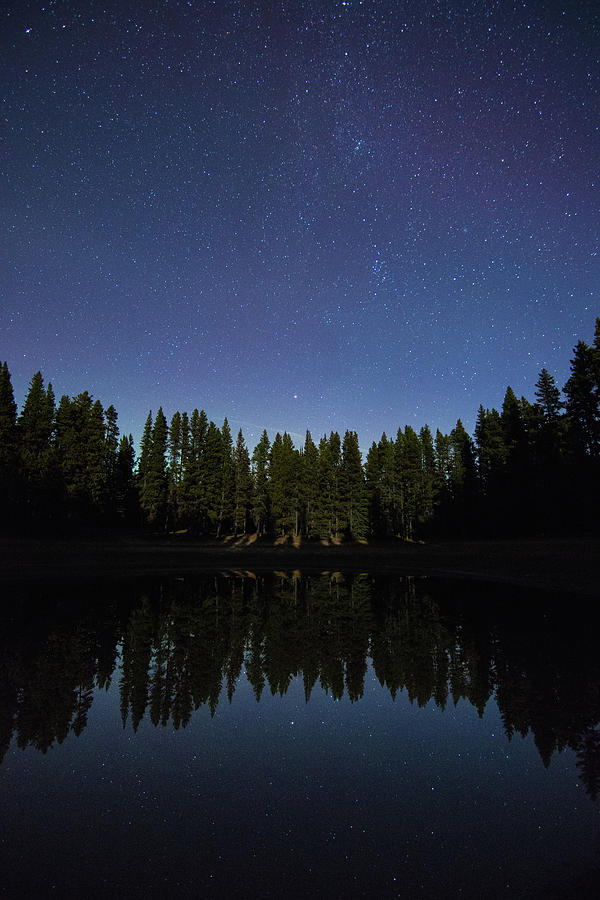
x=530 y=467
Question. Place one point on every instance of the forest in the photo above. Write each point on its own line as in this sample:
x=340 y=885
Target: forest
x=531 y=467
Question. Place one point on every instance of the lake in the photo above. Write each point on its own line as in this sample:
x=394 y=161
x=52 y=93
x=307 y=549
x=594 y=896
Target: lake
x=273 y=734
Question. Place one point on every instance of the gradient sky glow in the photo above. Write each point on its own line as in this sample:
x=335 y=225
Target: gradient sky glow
x=299 y=214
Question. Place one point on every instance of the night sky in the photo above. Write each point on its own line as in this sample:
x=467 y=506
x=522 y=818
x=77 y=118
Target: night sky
x=299 y=214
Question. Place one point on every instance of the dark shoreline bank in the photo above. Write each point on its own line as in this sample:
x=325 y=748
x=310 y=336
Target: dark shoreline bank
x=556 y=564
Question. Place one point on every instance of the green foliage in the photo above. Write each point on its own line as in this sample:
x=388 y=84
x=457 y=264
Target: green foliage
x=36 y=431
x=227 y=498
x=243 y=485
x=212 y=478
x=284 y=468
x=193 y=501
x=309 y=485
x=261 y=500
x=353 y=500
x=548 y=396
x=154 y=486
x=326 y=512
x=532 y=466
x=8 y=421
x=582 y=391
x=125 y=493
x=9 y=442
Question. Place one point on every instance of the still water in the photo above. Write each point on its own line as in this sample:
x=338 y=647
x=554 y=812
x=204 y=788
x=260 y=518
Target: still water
x=277 y=735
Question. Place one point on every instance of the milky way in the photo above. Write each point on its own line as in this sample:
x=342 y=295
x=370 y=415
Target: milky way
x=304 y=214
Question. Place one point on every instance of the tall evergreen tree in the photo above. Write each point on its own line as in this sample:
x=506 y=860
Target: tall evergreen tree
x=125 y=494
x=462 y=482
x=154 y=494
x=8 y=420
x=335 y=450
x=428 y=486
x=36 y=427
x=82 y=454
x=243 y=485
x=327 y=512
x=260 y=477
x=373 y=488
x=582 y=391
x=174 y=469
x=582 y=469
x=111 y=445
x=548 y=397
x=353 y=495
x=195 y=482
x=309 y=488
x=227 y=498
x=212 y=490
x=37 y=461
x=491 y=461
x=410 y=481
x=145 y=451
x=9 y=448
x=283 y=477
x=98 y=462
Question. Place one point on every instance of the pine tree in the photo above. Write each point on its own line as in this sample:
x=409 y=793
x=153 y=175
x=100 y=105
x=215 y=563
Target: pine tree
x=82 y=454
x=515 y=485
x=153 y=495
x=491 y=450
x=260 y=480
x=548 y=397
x=582 y=465
x=96 y=455
x=8 y=421
x=582 y=391
x=380 y=475
x=309 y=485
x=9 y=449
x=211 y=486
x=335 y=451
x=36 y=427
x=442 y=458
x=283 y=477
x=37 y=464
x=491 y=463
x=227 y=498
x=145 y=451
x=111 y=446
x=462 y=478
x=373 y=488
x=174 y=469
x=401 y=502
x=194 y=485
x=428 y=486
x=411 y=479
x=353 y=495
x=513 y=427
x=125 y=494
x=326 y=502
x=243 y=485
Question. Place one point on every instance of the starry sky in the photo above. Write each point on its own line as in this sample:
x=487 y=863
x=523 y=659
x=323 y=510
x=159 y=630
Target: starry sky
x=299 y=214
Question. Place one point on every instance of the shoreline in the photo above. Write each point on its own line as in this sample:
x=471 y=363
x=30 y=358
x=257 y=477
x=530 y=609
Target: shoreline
x=565 y=565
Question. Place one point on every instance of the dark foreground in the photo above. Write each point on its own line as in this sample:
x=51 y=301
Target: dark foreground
x=562 y=565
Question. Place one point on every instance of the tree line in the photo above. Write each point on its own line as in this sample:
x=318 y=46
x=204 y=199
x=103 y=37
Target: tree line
x=529 y=467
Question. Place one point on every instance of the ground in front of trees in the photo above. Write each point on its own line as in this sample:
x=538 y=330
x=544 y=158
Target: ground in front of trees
x=558 y=564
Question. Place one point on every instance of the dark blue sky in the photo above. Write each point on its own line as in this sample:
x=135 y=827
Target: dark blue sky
x=303 y=214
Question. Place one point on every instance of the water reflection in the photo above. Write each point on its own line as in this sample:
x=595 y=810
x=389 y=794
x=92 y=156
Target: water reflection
x=177 y=645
